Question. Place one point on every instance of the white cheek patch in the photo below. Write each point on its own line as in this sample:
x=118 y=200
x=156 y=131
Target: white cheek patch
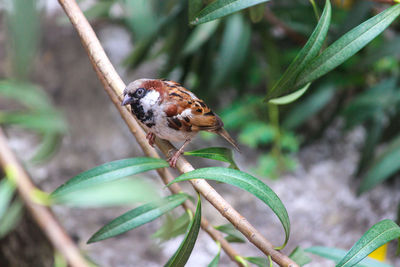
x=150 y=99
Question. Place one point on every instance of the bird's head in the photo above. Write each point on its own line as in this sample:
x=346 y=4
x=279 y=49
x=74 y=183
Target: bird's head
x=137 y=90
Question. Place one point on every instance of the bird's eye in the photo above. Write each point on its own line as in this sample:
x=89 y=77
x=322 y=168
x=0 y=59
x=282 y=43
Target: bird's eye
x=140 y=92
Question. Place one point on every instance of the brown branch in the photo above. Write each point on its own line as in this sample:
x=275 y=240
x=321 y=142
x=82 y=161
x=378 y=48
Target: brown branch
x=107 y=73
x=42 y=215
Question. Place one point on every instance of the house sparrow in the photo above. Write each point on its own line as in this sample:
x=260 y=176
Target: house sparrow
x=171 y=112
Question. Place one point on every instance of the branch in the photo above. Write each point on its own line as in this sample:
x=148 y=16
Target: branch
x=42 y=215
x=109 y=76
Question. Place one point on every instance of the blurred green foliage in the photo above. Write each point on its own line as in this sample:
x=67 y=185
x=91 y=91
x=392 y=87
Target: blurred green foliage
x=31 y=108
x=232 y=61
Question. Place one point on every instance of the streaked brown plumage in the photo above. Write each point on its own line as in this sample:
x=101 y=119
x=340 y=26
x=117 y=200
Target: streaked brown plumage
x=171 y=112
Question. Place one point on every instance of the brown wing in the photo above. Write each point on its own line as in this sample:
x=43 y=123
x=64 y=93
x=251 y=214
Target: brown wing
x=180 y=101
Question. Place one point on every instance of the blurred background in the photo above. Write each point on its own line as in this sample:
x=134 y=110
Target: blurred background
x=332 y=156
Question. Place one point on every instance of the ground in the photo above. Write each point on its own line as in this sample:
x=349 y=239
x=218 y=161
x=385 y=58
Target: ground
x=319 y=195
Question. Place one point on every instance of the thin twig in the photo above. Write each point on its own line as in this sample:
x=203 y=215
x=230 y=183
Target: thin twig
x=101 y=62
x=42 y=215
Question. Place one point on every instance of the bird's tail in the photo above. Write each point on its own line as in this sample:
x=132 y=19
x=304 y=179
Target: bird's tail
x=222 y=132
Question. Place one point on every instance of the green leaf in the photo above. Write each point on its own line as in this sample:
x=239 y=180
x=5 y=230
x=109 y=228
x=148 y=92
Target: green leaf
x=23 y=28
x=379 y=234
x=287 y=99
x=115 y=193
x=233 y=48
x=221 y=8
x=299 y=256
x=216 y=153
x=308 y=107
x=259 y=261
x=43 y=121
x=383 y=167
x=7 y=189
x=347 y=45
x=336 y=255
x=182 y=255
x=141 y=18
x=233 y=235
x=215 y=261
x=99 y=10
x=172 y=228
x=108 y=172
x=308 y=52
x=27 y=94
x=49 y=145
x=199 y=36
x=10 y=221
x=246 y=182
x=138 y=216
x=257 y=12
x=194 y=8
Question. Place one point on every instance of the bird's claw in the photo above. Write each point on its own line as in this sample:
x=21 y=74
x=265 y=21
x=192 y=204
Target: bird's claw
x=151 y=137
x=173 y=157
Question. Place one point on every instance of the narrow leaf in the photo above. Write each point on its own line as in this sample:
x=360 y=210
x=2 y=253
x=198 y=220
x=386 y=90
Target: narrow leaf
x=216 y=153
x=257 y=12
x=182 y=255
x=49 y=145
x=199 y=36
x=348 y=45
x=138 y=216
x=379 y=234
x=10 y=221
x=233 y=48
x=336 y=255
x=27 y=94
x=221 y=8
x=7 y=189
x=173 y=228
x=115 y=193
x=259 y=261
x=299 y=256
x=215 y=261
x=384 y=166
x=233 y=235
x=194 y=7
x=246 y=182
x=108 y=172
x=141 y=18
x=99 y=10
x=307 y=53
x=287 y=99
x=43 y=121
x=308 y=107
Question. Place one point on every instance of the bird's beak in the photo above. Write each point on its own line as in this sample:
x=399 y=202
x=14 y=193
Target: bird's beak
x=127 y=100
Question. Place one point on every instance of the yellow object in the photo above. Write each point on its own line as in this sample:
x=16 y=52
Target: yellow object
x=379 y=254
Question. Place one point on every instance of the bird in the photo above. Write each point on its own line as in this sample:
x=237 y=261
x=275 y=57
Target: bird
x=171 y=112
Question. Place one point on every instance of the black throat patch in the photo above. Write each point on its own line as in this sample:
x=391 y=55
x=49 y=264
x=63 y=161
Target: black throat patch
x=146 y=118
